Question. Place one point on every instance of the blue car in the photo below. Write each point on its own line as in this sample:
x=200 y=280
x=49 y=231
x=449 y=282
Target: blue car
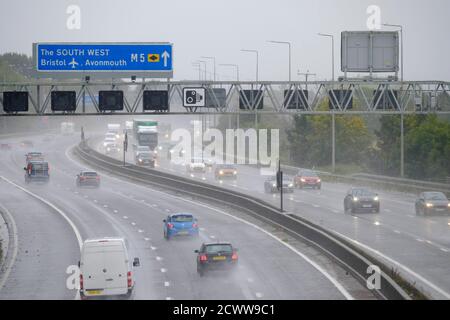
x=180 y=224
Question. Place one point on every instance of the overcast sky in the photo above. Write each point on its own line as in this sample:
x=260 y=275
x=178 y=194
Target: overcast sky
x=222 y=28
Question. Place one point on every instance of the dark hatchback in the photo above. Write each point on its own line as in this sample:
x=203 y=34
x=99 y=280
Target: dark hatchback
x=216 y=256
x=88 y=178
x=361 y=200
x=432 y=203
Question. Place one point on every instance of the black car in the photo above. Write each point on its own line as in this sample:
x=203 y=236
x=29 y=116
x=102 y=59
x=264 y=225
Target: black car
x=216 y=256
x=361 y=199
x=88 y=178
x=432 y=203
x=270 y=185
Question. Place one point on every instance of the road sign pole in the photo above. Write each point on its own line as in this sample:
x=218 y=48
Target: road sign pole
x=333 y=142
x=402 y=146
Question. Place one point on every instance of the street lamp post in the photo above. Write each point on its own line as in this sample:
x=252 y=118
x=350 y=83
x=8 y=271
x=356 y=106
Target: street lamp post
x=232 y=65
x=332 y=51
x=237 y=78
x=401 y=36
x=199 y=70
x=257 y=60
x=289 y=45
x=214 y=61
x=203 y=61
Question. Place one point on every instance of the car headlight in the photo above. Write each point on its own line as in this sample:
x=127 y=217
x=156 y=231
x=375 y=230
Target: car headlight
x=160 y=148
x=376 y=199
x=235 y=172
x=318 y=180
x=274 y=185
x=291 y=185
x=118 y=150
x=117 y=136
x=183 y=152
x=108 y=149
x=155 y=151
x=449 y=204
x=355 y=199
x=140 y=160
x=104 y=144
x=429 y=205
x=221 y=172
x=171 y=151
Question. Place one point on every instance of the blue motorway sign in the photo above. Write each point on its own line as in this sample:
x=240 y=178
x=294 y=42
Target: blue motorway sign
x=93 y=58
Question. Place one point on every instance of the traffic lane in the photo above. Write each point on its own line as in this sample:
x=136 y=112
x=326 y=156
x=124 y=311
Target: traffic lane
x=255 y=249
x=46 y=247
x=94 y=221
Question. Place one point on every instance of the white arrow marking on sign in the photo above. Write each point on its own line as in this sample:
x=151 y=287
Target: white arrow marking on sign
x=165 y=55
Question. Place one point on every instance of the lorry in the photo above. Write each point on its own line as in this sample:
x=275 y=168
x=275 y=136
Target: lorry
x=145 y=133
x=114 y=128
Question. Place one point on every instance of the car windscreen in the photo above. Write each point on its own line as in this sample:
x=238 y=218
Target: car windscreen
x=215 y=248
x=311 y=174
x=363 y=193
x=89 y=174
x=182 y=218
x=435 y=196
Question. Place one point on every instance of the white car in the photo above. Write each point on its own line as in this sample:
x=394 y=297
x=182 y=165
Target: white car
x=105 y=269
x=109 y=141
x=196 y=165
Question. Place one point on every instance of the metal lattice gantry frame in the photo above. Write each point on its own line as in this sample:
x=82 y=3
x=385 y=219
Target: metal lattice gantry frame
x=315 y=97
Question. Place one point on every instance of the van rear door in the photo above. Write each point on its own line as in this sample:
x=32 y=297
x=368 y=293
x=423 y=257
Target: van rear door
x=115 y=264
x=93 y=265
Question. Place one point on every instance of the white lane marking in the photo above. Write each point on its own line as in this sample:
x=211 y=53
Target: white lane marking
x=167 y=210
x=410 y=216
x=335 y=211
x=125 y=217
x=168 y=298
x=250 y=280
x=259 y=295
x=387 y=210
x=95 y=201
x=141 y=231
x=316 y=206
x=443 y=249
x=202 y=229
x=159 y=259
x=166 y=283
x=153 y=248
x=5 y=275
x=147 y=239
x=334 y=281
x=377 y=223
x=105 y=206
x=420 y=240
x=397 y=232
x=70 y=222
x=398 y=264
x=133 y=223
x=163 y=270
x=85 y=196
x=115 y=211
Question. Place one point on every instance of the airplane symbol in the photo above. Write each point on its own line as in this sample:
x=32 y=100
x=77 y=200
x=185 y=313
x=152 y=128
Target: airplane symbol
x=73 y=63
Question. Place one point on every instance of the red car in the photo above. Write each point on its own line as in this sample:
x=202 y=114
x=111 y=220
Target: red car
x=307 y=178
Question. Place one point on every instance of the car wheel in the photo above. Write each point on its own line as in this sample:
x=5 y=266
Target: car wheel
x=200 y=272
x=352 y=209
x=417 y=211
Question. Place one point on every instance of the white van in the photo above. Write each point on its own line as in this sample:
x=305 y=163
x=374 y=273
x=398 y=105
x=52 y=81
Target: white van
x=105 y=269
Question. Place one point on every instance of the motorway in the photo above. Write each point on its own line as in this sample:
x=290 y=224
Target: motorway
x=417 y=247
x=53 y=219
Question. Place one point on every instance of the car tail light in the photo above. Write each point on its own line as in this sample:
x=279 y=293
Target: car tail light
x=203 y=258
x=194 y=225
x=81 y=282
x=170 y=225
x=129 y=279
x=234 y=256
x=97 y=177
x=303 y=180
